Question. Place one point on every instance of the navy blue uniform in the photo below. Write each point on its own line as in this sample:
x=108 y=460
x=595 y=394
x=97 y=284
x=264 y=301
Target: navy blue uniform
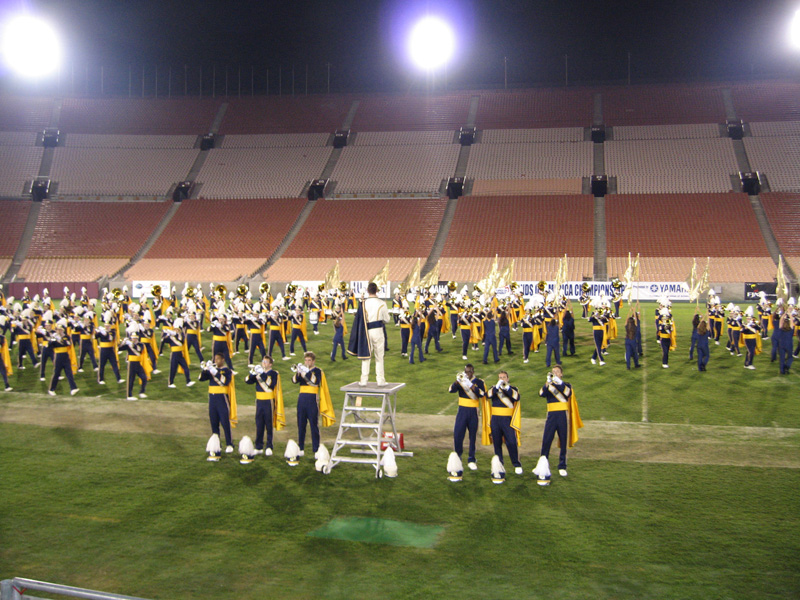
x=136 y=351
x=265 y=383
x=107 y=341
x=61 y=361
x=568 y=335
x=489 y=338
x=308 y=407
x=467 y=416
x=219 y=412
x=556 y=419
x=416 y=340
x=552 y=342
x=219 y=332
x=503 y=402
x=176 y=358
x=338 y=339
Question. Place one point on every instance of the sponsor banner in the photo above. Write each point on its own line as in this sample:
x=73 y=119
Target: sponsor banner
x=643 y=290
x=360 y=287
x=141 y=288
x=752 y=289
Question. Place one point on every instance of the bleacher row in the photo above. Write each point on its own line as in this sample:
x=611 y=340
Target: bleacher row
x=211 y=240
x=527 y=172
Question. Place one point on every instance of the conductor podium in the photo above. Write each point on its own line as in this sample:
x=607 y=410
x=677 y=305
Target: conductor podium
x=367 y=426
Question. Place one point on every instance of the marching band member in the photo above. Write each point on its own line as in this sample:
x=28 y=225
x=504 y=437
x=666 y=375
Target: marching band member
x=465 y=326
x=297 y=320
x=221 y=397
x=416 y=336
x=88 y=343
x=434 y=320
x=552 y=341
x=269 y=403
x=368 y=336
x=316 y=314
x=785 y=342
x=584 y=300
x=598 y=323
x=775 y=319
x=313 y=400
x=471 y=391
x=506 y=422
x=193 y=330
x=734 y=330
x=561 y=403
x=695 y=334
x=338 y=335
x=106 y=336
x=764 y=314
x=504 y=328
x=5 y=358
x=702 y=344
x=489 y=335
x=568 y=333
x=255 y=330
x=42 y=334
x=751 y=335
x=138 y=361
x=25 y=336
x=630 y=340
x=276 y=333
x=179 y=353
x=239 y=331
x=397 y=306
x=404 y=320
x=527 y=335
x=63 y=357
x=220 y=334
x=665 y=336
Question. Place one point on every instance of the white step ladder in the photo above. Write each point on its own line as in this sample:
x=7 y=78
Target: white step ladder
x=367 y=423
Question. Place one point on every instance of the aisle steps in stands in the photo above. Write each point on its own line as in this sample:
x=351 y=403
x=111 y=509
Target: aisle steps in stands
x=298 y=224
x=150 y=240
x=25 y=242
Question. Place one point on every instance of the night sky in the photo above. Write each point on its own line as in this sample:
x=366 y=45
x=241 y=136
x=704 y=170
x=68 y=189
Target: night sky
x=363 y=39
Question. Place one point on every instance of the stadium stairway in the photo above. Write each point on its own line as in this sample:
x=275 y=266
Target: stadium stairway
x=150 y=240
x=24 y=244
x=600 y=248
x=441 y=237
x=769 y=236
x=288 y=238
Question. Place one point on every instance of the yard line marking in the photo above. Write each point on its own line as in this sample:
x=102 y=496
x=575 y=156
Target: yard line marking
x=645 y=408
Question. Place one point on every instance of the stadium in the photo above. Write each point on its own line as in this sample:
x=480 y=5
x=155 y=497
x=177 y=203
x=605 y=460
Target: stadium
x=682 y=483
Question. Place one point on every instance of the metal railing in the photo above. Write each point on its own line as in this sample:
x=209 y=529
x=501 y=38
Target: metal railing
x=15 y=589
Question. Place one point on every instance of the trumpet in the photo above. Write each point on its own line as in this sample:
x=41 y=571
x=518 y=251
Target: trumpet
x=502 y=385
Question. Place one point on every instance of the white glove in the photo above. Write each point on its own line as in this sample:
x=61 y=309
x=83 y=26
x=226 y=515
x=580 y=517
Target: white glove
x=259 y=369
x=213 y=370
x=557 y=380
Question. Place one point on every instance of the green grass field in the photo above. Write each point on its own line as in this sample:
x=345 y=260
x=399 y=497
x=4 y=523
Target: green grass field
x=146 y=515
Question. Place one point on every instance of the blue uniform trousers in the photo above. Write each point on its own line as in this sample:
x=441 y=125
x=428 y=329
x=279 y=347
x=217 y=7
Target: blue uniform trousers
x=433 y=334
x=263 y=423
x=556 y=423
x=193 y=344
x=416 y=343
x=465 y=335
x=405 y=334
x=25 y=347
x=307 y=412
x=702 y=353
x=505 y=338
x=338 y=341
x=298 y=335
x=275 y=337
x=552 y=347
x=630 y=352
x=466 y=420
x=87 y=349
x=785 y=350
x=527 y=340
x=219 y=414
x=61 y=363
x=695 y=338
x=107 y=355
x=490 y=341
x=501 y=429
x=177 y=360
x=256 y=343
x=135 y=369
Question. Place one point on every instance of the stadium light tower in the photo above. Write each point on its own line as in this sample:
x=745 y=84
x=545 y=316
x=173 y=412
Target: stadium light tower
x=431 y=43
x=794 y=30
x=30 y=47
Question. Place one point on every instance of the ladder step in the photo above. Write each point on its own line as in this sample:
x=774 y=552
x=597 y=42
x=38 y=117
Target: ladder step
x=363 y=461
x=375 y=425
x=371 y=442
x=361 y=409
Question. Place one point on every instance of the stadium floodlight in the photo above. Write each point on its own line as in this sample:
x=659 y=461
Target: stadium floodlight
x=431 y=43
x=794 y=30
x=30 y=46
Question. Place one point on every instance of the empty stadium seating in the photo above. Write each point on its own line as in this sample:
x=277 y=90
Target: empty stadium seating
x=68 y=268
x=783 y=213
x=17 y=138
x=666 y=132
x=18 y=165
x=120 y=171
x=672 y=104
x=677 y=166
x=285 y=114
x=276 y=140
x=403 y=138
x=528 y=109
x=138 y=116
x=517 y=187
x=394 y=169
x=350 y=269
x=13 y=216
x=94 y=140
x=779 y=158
x=94 y=229
x=546 y=160
x=193 y=269
x=775 y=128
x=412 y=113
x=667 y=230
x=767 y=101
x=531 y=136
x=226 y=229
x=260 y=172
x=517 y=226
x=20 y=113
x=526 y=268
x=369 y=229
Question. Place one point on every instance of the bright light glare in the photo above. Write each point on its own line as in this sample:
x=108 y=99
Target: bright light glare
x=431 y=43
x=31 y=47
x=794 y=30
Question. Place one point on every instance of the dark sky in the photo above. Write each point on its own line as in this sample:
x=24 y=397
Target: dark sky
x=362 y=39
